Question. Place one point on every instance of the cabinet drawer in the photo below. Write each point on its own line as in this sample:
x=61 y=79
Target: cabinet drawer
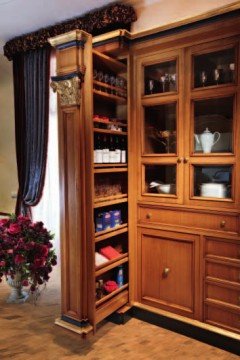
x=221 y=317
x=228 y=296
x=223 y=248
x=189 y=219
x=223 y=271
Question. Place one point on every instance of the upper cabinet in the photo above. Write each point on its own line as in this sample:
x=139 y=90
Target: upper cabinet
x=188 y=106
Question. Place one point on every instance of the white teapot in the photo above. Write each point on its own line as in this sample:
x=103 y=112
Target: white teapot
x=207 y=140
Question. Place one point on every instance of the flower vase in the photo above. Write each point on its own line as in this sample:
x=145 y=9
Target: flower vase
x=17 y=296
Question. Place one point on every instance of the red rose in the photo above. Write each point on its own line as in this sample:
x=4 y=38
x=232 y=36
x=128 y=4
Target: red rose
x=2 y=263
x=22 y=218
x=3 y=222
x=44 y=250
x=14 y=229
x=10 y=251
x=19 y=259
x=39 y=262
x=25 y=283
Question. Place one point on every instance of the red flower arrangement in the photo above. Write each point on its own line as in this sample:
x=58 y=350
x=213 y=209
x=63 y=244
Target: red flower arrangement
x=26 y=249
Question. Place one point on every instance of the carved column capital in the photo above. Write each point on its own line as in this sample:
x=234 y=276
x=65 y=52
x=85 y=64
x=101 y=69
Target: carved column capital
x=68 y=87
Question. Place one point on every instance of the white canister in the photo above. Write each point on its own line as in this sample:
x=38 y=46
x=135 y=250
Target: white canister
x=213 y=190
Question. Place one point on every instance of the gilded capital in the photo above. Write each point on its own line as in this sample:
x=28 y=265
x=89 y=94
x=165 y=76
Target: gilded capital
x=68 y=87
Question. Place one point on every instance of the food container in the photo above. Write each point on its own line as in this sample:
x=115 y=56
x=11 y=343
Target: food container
x=163 y=188
x=213 y=190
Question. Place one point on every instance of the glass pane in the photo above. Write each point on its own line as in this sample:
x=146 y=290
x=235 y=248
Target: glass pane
x=160 y=129
x=213 y=181
x=160 y=78
x=214 y=68
x=160 y=179
x=213 y=125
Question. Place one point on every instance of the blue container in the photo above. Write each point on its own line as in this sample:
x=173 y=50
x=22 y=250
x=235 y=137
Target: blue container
x=119 y=278
x=116 y=219
x=103 y=221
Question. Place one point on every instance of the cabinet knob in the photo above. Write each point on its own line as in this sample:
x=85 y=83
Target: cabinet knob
x=186 y=160
x=166 y=271
x=148 y=215
x=179 y=160
x=222 y=224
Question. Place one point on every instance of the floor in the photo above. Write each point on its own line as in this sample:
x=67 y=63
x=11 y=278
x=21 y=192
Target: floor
x=27 y=332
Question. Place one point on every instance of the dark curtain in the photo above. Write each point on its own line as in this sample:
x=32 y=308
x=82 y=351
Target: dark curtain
x=31 y=96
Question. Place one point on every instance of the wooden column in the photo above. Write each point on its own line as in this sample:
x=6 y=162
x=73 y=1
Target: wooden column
x=73 y=84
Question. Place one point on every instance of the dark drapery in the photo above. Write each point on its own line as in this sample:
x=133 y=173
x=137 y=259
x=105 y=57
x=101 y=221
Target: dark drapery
x=31 y=96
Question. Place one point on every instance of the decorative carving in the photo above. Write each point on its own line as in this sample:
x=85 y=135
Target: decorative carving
x=68 y=90
x=117 y=16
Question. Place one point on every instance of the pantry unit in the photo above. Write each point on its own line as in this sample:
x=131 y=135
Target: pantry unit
x=149 y=135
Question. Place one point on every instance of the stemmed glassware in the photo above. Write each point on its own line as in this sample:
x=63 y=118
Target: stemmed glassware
x=203 y=78
x=163 y=82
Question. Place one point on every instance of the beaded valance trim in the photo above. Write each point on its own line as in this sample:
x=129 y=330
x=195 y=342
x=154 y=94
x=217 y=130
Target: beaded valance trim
x=117 y=16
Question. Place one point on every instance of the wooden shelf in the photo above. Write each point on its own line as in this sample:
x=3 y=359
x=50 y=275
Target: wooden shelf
x=106 y=131
x=109 y=97
x=117 y=89
x=109 y=165
x=106 y=234
x=110 y=122
x=102 y=269
x=110 y=63
x=111 y=295
x=110 y=170
x=113 y=304
x=110 y=201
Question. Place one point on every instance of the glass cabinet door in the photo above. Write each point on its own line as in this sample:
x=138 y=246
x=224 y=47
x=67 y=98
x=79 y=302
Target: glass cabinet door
x=161 y=78
x=160 y=129
x=213 y=126
x=213 y=181
x=160 y=179
x=160 y=145
x=214 y=68
x=210 y=163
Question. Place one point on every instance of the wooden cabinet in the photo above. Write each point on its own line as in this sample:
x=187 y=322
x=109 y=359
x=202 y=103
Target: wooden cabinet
x=168 y=266
x=173 y=103
x=187 y=118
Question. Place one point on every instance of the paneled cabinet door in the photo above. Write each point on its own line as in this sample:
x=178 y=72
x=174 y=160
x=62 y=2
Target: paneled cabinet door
x=169 y=271
x=160 y=144
x=212 y=123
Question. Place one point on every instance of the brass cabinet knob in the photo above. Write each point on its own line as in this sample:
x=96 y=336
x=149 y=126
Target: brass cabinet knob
x=222 y=224
x=179 y=160
x=166 y=271
x=148 y=215
x=186 y=160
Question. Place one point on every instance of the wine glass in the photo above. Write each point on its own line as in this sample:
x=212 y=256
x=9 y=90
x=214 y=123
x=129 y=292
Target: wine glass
x=163 y=80
x=100 y=77
x=172 y=80
x=203 y=78
x=112 y=82
x=150 y=86
x=106 y=80
x=216 y=76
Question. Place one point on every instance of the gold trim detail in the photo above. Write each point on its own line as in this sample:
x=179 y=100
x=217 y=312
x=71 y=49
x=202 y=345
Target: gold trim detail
x=68 y=90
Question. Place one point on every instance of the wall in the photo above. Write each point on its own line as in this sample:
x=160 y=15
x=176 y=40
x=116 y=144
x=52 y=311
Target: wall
x=156 y=13
x=8 y=170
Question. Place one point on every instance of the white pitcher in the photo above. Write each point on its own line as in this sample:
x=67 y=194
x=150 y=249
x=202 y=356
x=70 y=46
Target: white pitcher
x=207 y=140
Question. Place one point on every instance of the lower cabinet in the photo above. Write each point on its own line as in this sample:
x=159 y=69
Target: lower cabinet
x=169 y=271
